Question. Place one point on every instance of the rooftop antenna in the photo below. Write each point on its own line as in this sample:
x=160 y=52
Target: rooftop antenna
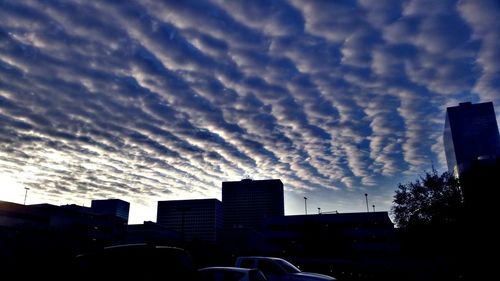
x=26 y=194
x=366 y=197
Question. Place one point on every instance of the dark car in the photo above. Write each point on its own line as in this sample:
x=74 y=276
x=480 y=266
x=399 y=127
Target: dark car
x=138 y=262
x=276 y=269
x=230 y=274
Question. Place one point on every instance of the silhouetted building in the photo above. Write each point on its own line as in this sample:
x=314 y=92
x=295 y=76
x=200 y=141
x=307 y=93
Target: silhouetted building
x=41 y=235
x=197 y=219
x=80 y=220
x=114 y=207
x=13 y=215
x=152 y=233
x=470 y=134
x=81 y=223
x=472 y=146
x=248 y=202
x=330 y=235
x=480 y=187
x=334 y=243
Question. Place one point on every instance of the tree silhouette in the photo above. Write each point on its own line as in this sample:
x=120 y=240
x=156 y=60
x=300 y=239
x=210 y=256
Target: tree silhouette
x=431 y=200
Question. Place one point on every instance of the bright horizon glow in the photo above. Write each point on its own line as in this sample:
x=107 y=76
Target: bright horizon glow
x=11 y=191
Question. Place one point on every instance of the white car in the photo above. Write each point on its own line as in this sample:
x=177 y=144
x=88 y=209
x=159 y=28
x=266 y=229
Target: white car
x=230 y=274
x=276 y=269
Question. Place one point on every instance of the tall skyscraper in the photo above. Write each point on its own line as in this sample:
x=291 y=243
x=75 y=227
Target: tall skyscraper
x=248 y=202
x=470 y=134
x=194 y=219
x=114 y=207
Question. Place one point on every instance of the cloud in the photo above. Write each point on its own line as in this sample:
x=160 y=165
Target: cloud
x=152 y=100
x=482 y=17
x=272 y=18
x=333 y=20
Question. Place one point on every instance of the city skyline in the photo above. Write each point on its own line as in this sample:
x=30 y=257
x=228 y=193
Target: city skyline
x=147 y=101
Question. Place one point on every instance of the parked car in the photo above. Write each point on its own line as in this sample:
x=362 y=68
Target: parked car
x=230 y=274
x=137 y=262
x=276 y=269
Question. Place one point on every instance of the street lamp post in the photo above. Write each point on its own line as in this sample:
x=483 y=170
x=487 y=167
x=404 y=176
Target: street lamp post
x=305 y=204
x=366 y=197
x=319 y=211
x=26 y=194
x=373 y=208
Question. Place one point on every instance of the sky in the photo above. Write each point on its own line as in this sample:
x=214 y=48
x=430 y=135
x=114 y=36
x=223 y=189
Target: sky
x=152 y=100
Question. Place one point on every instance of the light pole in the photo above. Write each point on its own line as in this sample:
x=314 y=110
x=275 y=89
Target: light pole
x=366 y=197
x=305 y=204
x=319 y=211
x=26 y=194
x=373 y=208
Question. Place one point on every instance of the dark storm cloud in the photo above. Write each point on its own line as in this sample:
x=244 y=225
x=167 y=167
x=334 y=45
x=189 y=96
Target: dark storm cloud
x=149 y=100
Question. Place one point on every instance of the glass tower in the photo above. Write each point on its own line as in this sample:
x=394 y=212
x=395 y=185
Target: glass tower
x=470 y=134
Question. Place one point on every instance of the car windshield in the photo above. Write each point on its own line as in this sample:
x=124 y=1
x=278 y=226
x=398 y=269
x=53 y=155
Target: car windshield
x=288 y=267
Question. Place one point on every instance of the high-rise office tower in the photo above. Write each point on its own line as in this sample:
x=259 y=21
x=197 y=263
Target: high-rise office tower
x=248 y=202
x=197 y=219
x=470 y=134
x=114 y=207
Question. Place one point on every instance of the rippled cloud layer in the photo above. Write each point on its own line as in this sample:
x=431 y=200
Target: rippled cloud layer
x=152 y=100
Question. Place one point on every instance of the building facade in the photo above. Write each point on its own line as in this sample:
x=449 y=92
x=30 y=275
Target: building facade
x=197 y=219
x=345 y=244
x=330 y=235
x=470 y=134
x=39 y=236
x=247 y=203
x=113 y=207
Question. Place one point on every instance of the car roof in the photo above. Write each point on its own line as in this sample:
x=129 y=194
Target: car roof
x=260 y=258
x=140 y=246
x=228 y=268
